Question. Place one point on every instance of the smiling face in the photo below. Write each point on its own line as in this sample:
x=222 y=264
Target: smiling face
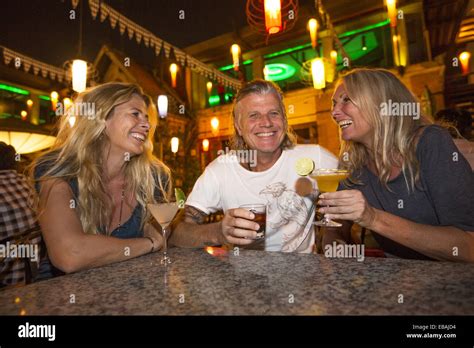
x=128 y=126
x=260 y=122
x=347 y=115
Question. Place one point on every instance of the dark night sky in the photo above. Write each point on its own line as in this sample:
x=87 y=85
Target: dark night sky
x=42 y=29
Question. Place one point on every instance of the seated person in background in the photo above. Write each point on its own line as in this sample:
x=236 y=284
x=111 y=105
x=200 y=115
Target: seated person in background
x=261 y=134
x=18 y=223
x=405 y=184
x=95 y=182
x=459 y=123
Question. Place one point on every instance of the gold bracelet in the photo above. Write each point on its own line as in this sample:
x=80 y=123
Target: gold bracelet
x=152 y=243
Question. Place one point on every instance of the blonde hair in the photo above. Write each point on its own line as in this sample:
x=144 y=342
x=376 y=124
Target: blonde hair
x=78 y=153
x=259 y=86
x=394 y=137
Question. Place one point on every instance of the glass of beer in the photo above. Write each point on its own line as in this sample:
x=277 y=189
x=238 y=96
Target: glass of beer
x=328 y=181
x=260 y=212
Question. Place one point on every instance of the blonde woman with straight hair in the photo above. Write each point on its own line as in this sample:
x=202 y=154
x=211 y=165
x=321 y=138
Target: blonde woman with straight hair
x=96 y=180
x=408 y=183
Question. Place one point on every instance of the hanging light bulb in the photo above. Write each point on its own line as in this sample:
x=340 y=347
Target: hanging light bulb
x=23 y=114
x=173 y=71
x=205 y=145
x=364 y=46
x=331 y=67
x=72 y=120
x=313 y=31
x=272 y=16
x=333 y=57
x=54 y=99
x=174 y=145
x=162 y=105
x=79 y=75
x=215 y=124
x=209 y=87
x=67 y=102
x=317 y=71
x=396 y=51
x=266 y=72
x=464 y=59
x=235 y=50
x=392 y=12
x=29 y=102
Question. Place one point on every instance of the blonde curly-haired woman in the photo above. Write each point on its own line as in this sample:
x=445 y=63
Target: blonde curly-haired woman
x=96 y=180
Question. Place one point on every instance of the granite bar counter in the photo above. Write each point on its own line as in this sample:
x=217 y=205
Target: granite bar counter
x=252 y=283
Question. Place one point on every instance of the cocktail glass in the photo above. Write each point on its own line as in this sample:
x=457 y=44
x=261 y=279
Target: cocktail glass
x=164 y=213
x=328 y=181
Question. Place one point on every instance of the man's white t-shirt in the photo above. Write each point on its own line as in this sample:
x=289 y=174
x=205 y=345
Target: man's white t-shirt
x=226 y=184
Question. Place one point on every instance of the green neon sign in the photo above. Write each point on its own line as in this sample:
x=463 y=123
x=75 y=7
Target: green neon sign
x=44 y=97
x=14 y=89
x=215 y=100
x=278 y=71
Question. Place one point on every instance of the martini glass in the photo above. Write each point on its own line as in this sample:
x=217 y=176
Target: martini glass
x=328 y=181
x=164 y=213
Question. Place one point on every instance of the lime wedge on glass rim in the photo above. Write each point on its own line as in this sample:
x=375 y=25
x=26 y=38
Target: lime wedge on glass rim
x=180 y=197
x=304 y=166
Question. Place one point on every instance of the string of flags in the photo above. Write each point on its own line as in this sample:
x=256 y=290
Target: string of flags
x=126 y=25
x=28 y=63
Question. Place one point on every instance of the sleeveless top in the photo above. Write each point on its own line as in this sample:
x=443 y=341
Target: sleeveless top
x=129 y=229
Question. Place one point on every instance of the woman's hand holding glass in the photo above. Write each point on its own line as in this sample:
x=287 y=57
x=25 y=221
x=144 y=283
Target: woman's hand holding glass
x=347 y=205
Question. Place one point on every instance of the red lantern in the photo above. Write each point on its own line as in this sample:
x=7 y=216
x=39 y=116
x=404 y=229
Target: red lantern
x=205 y=145
x=392 y=12
x=464 y=59
x=173 y=71
x=235 y=50
x=272 y=16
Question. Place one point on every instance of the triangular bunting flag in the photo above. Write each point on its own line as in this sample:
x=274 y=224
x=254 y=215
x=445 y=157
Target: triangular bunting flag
x=138 y=36
x=26 y=66
x=104 y=12
x=121 y=26
x=94 y=6
x=7 y=59
x=113 y=17
x=167 y=49
x=131 y=31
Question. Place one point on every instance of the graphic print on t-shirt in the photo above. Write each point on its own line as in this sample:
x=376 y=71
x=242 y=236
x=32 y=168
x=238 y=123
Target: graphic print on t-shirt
x=287 y=211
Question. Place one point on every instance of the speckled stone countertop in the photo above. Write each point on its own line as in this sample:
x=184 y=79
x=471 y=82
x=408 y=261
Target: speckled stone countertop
x=252 y=283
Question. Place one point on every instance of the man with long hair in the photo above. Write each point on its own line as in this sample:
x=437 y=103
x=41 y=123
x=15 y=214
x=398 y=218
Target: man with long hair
x=260 y=168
